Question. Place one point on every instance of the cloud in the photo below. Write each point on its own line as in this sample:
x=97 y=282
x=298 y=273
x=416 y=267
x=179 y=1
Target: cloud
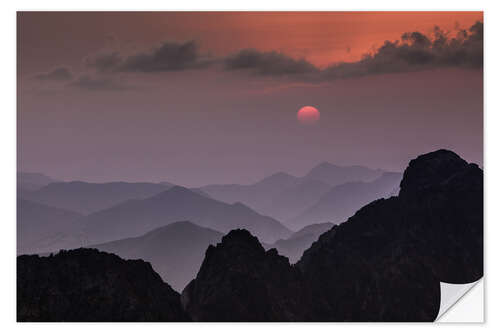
x=57 y=74
x=416 y=51
x=170 y=56
x=268 y=63
x=105 y=62
x=97 y=83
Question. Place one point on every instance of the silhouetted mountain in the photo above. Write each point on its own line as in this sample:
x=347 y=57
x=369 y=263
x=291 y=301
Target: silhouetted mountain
x=88 y=285
x=84 y=198
x=41 y=228
x=175 y=251
x=283 y=196
x=31 y=181
x=344 y=200
x=136 y=217
x=240 y=281
x=385 y=263
x=299 y=241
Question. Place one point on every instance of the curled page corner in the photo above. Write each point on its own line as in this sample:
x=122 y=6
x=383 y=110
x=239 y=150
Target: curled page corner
x=451 y=294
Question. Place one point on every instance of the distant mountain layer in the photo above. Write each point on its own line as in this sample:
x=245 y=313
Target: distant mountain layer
x=344 y=200
x=88 y=285
x=384 y=264
x=294 y=246
x=175 y=251
x=284 y=196
x=42 y=228
x=30 y=181
x=85 y=198
x=257 y=195
x=136 y=217
x=335 y=175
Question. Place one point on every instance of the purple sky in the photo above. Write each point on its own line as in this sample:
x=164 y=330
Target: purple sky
x=200 y=123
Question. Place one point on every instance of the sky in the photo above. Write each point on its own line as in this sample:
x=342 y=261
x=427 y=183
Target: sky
x=200 y=98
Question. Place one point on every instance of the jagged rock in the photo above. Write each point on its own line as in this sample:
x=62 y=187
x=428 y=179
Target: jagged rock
x=240 y=281
x=385 y=262
x=88 y=285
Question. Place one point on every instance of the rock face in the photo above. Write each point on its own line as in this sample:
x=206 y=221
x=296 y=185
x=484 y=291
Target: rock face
x=240 y=281
x=88 y=285
x=385 y=262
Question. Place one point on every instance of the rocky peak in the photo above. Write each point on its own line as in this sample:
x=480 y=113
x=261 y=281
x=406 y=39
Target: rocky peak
x=429 y=170
x=385 y=263
x=89 y=285
x=240 y=281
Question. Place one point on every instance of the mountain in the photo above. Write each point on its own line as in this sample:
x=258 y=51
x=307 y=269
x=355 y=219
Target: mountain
x=294 y=199
x=85 y=198
x=280 y=196
x=240 y=281
x=88 y=285
x=385 y=263
x=283 y=196
x=175 y=251
x=299 y=241
x=254 y=195
x=30 y=181
x=344 y=200
x=41 y=228
x=136 y=217
x=335 y=175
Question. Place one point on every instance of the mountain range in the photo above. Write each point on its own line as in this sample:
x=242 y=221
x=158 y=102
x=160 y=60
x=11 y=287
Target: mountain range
x=342 y=201
x=30 y=181
x=175 y=251
x=135 y=217
x=288 y=198
x=41 y=228
x=85 y=198
x=385 y=263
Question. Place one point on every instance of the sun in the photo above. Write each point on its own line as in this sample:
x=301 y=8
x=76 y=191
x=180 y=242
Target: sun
x=308 y=115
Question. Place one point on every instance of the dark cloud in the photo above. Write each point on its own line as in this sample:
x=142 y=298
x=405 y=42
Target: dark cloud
x=416 y=51
x=268 y=63
x=57 y=74
x=105 y=62
x=170 y=56
x=88 y=82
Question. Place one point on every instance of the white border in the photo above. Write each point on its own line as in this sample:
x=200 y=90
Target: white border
x=8 y=162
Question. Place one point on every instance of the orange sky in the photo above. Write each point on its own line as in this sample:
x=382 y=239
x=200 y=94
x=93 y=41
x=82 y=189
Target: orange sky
x=325 y=37
x=321 y=37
